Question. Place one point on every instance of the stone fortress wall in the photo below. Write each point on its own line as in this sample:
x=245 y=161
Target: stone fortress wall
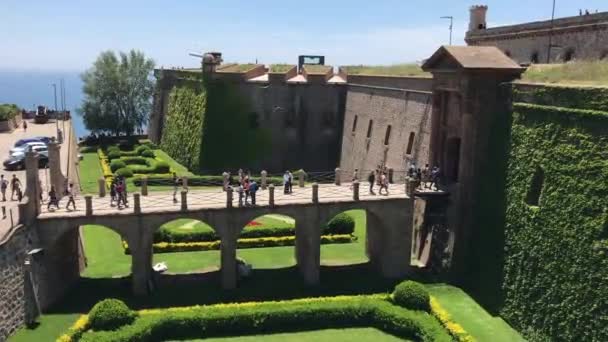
x=577 y=37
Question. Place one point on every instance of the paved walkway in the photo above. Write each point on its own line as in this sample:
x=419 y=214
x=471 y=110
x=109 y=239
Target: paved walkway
x=216 y=198
x=7 y=141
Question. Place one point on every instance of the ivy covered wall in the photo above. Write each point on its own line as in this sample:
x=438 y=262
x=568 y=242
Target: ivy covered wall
x=556 y=234
x=209 y=127
x=183 y=127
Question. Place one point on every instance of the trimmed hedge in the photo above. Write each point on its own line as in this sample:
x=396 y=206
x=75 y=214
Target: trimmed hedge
x=261 y=242
x=110 y=314
x=124 y=172
x=117 y=164
x=113 y=154
x=148 y=153
x=340 y=224
x=134 y=160
x=283 y=316
x=412 y=295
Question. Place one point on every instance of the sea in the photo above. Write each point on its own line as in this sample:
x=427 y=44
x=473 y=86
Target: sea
x=31 y=88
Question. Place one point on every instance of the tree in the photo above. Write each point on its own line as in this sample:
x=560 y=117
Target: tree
x=117 y=92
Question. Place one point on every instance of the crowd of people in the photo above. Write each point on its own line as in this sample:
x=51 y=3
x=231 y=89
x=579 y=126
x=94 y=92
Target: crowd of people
x=378 y=177
x=246 y=189
x=426 y=178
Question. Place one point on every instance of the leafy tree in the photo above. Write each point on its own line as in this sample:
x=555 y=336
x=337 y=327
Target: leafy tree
x=118 y=92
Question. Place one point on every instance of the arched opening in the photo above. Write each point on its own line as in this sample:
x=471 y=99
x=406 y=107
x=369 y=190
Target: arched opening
x=536 y=187
x=534 y=57
x=104 y=253
x=569 y=55
x=343 y=239
x=452 y=159
x=186 y=246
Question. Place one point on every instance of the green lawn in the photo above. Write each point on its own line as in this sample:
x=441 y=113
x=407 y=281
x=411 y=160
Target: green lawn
x=90 y=173
x=326 y=335
x=471 y=316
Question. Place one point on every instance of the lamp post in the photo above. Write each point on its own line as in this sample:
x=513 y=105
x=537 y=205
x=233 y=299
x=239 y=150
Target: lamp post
x=451 y=25
x=56 y=122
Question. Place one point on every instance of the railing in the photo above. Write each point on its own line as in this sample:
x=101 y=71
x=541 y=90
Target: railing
x=223 y=192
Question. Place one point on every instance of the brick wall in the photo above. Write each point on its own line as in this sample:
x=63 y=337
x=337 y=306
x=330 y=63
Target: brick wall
x=408 y=114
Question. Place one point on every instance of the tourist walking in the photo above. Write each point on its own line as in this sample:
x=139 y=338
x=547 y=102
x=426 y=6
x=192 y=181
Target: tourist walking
x=112 y=192
x=371 y=179
x=286 y=182
x=24 y=125
x=246 y=190
x=383 y=183
x=119 y=194
x=253 y=188
x=52 y=199
x=70 y=193
x=240 y=191
x=3 y=186
x=435 y=174
x=290 y=183
x=354 y=178
x=425 y=176
x=175 y=185
x=15 y=188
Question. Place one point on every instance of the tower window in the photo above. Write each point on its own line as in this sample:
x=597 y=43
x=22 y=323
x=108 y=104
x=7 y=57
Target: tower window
x=534 y=58
x=569 y=55
x=387 y=135
x=369 y=128
x=355 y=123
x=410 y=143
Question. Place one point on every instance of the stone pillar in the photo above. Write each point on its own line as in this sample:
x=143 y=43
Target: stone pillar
x=88 y=202
x=391 y=175
x=308 y=249
x=56 y=176
x=144 y=186
x=101 y=183
x=229 y=193
x=228 y=254
x=140 y=245
x=315 y=193
x=184 y=200
x=32 y=186
x=356 y=190
x=301 y=178
x=185 y=183
x=136 y=203
x=389 y=240
x=271 y=195
x=226 y=177
x=264 y=180
x=337 y=176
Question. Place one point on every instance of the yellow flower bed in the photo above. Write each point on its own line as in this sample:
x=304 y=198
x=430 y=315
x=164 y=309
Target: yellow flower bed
x=161 y=247
x=80 y=326
x=455 y=329
x=105 y=167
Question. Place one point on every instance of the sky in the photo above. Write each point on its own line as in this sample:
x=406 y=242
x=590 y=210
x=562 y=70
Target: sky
x=68 y=35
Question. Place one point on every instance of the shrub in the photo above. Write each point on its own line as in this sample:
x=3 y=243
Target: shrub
x=188 y=323
x=110 y=314
x=134 y=160
x=148 y=143
x=117 y=164
x=141 y=148
x=112 y=148
x=113 y=154
x=340 y=224
x=161 y=166
x=124 y=172
x=88 y=149
x=412 y=295
x=148 y=153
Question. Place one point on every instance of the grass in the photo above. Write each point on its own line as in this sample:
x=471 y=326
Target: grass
x=237 y=67
x=326 y=335
x=406 y=69
x=471 y=316
x=281 y=68
x=90 y=173
x=174 y=165
x=312 y=69
x=593 y=73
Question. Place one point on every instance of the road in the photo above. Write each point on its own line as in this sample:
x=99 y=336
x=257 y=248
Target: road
x=7 y=141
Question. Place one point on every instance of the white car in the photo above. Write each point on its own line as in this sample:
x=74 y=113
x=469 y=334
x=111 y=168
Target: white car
x=39 y=149
x=23 y=148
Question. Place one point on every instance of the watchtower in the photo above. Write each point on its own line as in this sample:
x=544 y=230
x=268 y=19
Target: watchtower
x=477 y=20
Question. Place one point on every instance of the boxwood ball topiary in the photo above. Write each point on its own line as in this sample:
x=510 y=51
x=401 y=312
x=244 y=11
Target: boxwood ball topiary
x=110 y=314
x=125 y=172
x=412 y=295
x=341 y=224
x=113 y=155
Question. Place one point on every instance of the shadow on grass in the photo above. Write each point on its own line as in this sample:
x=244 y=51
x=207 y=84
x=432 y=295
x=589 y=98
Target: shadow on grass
x=204 y=288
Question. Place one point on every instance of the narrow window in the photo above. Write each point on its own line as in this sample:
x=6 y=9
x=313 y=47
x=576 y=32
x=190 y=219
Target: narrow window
x=355 y=123
x=410 y=143
x=453 y=159
x=536 y=187
x=369 y=128
x=569 y=55
x=387 y=136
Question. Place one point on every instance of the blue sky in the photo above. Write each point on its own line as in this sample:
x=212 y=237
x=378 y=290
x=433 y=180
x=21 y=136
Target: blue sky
x=68 y=35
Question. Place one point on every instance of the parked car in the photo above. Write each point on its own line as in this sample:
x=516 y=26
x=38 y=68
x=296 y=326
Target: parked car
x=26 y=146
x=35 y=148
x=17 y=162
x=20 y=142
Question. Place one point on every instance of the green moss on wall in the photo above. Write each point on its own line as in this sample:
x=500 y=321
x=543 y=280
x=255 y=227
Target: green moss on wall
x=183 y=129
x=556 y=261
